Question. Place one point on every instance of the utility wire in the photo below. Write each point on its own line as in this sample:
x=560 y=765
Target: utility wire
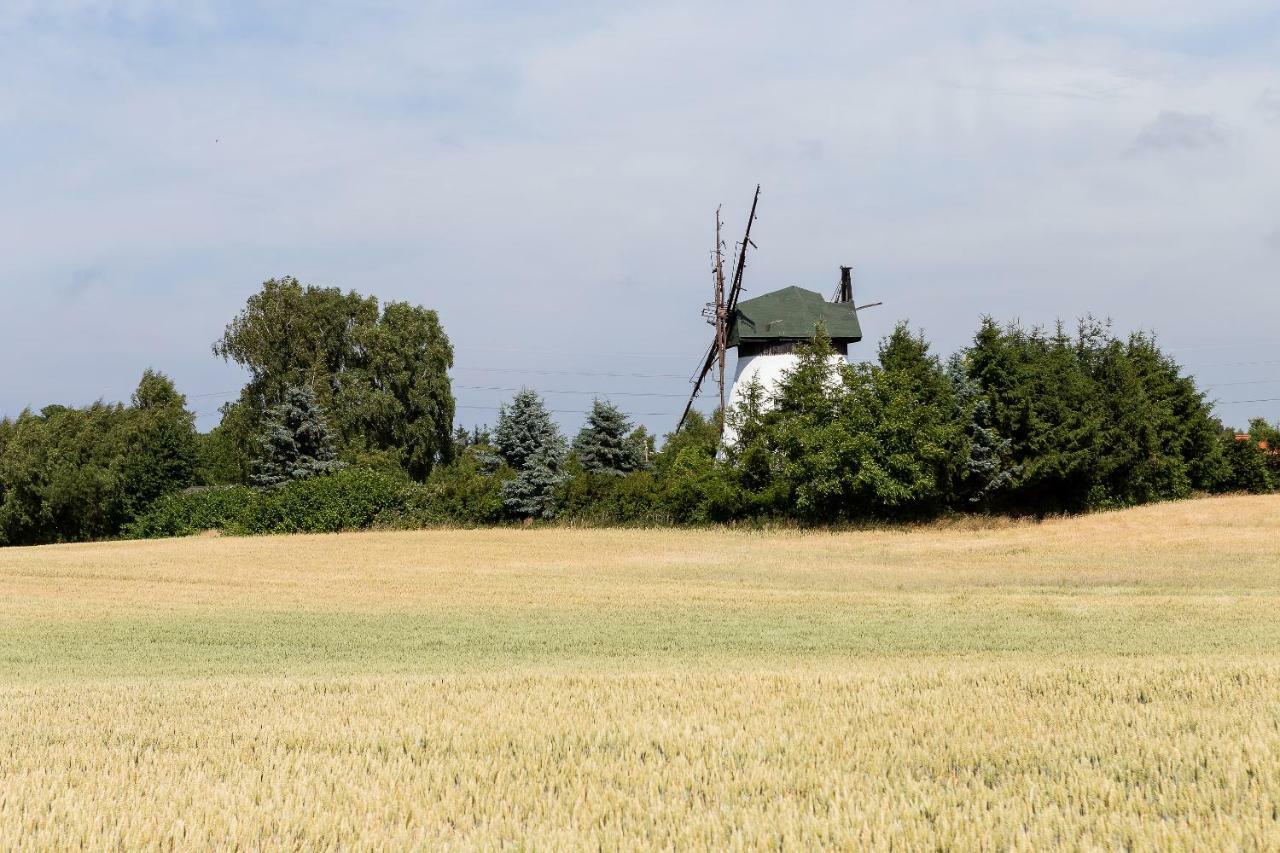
x=1236 y=363
x=610 y=353
x=567 y=391
x=571 y=411
x=1245 y=382
x=572 y=373
x=1221 y=346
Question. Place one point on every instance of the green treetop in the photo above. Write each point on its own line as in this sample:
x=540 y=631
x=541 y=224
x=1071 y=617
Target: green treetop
x=605 y=444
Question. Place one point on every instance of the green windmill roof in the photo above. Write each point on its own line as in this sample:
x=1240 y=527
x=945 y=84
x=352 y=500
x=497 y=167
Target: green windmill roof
x=792 y=313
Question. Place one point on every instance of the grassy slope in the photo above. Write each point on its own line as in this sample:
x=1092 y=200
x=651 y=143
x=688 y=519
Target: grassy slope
x=1114 y=678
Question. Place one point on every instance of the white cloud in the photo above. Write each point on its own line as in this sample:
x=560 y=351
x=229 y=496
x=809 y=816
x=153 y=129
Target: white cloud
x=530 y=170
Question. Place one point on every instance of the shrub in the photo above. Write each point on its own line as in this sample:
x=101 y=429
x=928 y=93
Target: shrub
x=459 y=493
x=352 y=499
x=226 y=508
x=696 y=489
x=1246 y=465
x=609 y=498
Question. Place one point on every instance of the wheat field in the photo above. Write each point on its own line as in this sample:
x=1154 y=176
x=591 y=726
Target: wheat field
x=1104 y=682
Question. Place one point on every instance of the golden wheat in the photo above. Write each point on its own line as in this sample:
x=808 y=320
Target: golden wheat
x=1102 y=682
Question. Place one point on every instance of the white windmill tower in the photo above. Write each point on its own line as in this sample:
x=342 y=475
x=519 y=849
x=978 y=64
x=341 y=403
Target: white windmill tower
x=766 y=330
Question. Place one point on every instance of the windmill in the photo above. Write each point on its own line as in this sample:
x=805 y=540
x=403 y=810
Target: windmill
x=766 y=330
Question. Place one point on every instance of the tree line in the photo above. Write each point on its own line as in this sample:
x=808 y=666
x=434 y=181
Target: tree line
x=346 y=420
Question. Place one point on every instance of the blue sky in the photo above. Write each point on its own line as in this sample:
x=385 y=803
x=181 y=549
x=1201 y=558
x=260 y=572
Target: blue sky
x=545 y=176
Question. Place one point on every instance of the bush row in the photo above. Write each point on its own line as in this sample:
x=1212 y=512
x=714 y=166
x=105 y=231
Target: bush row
x=351 y=499
x=354 y=498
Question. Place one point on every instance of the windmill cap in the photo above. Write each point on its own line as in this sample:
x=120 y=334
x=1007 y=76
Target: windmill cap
x=792 y=313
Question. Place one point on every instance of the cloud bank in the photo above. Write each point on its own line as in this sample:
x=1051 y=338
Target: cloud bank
x=546 y=179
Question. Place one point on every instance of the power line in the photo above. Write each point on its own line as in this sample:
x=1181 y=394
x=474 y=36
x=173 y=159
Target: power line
x=1237 y=402
x=1237 y=363
x=611 y=353
x=1245 y=382
x=573 y=373
x=1222 y=346
x=568 y=391
x=570 y=411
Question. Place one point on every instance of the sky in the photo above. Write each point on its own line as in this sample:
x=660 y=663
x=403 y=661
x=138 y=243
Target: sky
x=545 y=176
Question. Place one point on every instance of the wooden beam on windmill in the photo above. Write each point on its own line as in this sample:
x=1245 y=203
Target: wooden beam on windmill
x=722 y=319
x=730 y=303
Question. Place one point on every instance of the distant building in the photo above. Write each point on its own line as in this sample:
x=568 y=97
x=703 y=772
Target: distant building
x=1262 y=445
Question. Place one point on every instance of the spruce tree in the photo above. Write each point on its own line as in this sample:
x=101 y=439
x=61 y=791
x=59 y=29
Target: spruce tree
x=523 y=427
x=985 y=469
x=295 y=443
x=605 y=444
x=532 y=492
x=528 y=440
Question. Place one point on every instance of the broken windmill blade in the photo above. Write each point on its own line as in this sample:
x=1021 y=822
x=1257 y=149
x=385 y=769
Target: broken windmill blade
x=730 y=302
x=721 y=315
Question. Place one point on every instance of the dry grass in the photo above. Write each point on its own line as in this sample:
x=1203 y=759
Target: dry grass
x=1104 y=682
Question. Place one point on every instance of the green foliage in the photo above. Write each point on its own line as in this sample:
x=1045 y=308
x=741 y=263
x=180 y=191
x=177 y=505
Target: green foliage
x=531 y=493
x=225 y=508
x=692 y=487
x=227 y=452
x=528 y=441
x=696 y=489
x=70 y=474
x=985 y=469
x=1091 y=421
x=1265 y=433
x=295 y=443
x=524 y=427
x=697 y=433
x=1021 y=421
x=380 y=375
x=846 y=442
x=605 y=445
x=351 y=499
x=462 y=493
x=161 y=452
x=609 y=497
x=1247 y=467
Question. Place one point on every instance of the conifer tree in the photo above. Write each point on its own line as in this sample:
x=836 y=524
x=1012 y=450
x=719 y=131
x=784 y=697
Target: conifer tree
x=523 y=427
x=531 y=493
x=296 y=443
x=985 y=469
x=528 y=440
x=605 y=445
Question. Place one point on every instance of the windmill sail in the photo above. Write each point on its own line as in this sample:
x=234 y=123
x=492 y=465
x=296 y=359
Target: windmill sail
x=716 y=350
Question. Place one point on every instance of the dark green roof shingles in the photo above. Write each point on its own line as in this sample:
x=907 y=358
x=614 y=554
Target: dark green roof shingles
x=792 y=313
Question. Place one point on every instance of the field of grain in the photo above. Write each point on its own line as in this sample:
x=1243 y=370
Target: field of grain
x=1101 y=682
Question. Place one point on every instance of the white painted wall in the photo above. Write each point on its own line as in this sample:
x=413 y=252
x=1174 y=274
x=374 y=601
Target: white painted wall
x=769 y=370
